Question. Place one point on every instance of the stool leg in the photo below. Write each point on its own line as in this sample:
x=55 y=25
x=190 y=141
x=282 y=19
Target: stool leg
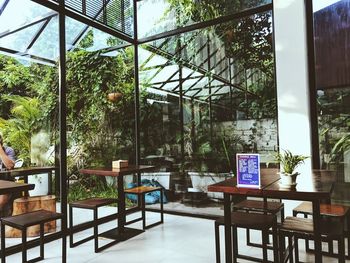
x=64 y=244
x=348 y=233
x=307 y=243
x=95 y=230
x=248 y=236
x=235 y=243
x=3 y=252
x=281 y=246
x=24 y=245
x=264 y=237
x=70 y=226
x=341 y=249
x=296 y=249
x=143 y=210
x=42 y=241
x=161 y=206
x=217 y=242
x=275 y=243
x=290 y=247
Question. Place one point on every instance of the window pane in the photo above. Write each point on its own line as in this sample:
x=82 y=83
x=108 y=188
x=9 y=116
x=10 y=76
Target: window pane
x=332 y=59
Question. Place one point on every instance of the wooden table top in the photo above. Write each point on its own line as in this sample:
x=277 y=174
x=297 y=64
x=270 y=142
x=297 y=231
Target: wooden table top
x=25 y=171
x=314 y=185
x=7 y=187
x=117 y=172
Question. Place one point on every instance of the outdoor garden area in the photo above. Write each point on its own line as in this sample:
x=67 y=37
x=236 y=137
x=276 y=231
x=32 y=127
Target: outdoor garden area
x=202 y=95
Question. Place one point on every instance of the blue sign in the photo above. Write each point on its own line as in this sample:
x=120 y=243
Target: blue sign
x=248 y=170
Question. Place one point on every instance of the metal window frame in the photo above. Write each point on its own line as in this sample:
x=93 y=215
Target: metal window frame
x=63 y=12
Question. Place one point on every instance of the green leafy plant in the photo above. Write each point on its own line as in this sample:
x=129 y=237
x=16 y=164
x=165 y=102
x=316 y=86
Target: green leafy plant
x=289 y=161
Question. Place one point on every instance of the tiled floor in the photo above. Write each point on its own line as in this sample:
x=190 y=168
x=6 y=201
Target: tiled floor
x=179 y=239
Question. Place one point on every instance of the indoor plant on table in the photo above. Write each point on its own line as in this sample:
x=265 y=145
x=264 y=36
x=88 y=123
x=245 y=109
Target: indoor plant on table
x=288 y=163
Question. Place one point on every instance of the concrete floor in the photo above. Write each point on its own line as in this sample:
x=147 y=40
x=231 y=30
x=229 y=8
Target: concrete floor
x=179 y=239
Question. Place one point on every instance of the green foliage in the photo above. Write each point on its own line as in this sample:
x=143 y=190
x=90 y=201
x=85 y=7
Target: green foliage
x=94 y=187
x=23 y=123
x=289 y=161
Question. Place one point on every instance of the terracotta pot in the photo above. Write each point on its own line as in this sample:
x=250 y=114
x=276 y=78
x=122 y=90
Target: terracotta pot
x=114 y=96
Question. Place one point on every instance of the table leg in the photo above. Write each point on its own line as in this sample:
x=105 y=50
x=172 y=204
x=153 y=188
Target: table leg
x=121 y=233
x=227 y=219
x=317 y=230
x=49 y=183
x=121 y=204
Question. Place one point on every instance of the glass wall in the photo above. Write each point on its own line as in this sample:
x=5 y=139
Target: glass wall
x=332 y=60
x=100 y=106
x=204 y=95
x=175 y=14
x=207 y=94
x=29 y=88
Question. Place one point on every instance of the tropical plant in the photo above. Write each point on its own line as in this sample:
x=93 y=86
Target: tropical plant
x=18 y=129
x=289 y=161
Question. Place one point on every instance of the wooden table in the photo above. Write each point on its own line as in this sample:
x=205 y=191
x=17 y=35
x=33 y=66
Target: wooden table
x=27 y=171
x=8 y=187
x=314 y=186
x=120 y=233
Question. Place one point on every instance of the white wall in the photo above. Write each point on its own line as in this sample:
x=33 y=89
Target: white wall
x=292 y=77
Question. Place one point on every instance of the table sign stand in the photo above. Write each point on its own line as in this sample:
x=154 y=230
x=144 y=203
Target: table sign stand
x=248 y=170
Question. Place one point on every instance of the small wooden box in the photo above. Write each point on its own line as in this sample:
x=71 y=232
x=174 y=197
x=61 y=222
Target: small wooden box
x=119 y=164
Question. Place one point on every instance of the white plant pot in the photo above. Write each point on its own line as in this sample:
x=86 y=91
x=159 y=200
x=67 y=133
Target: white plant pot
x=288 y=180
x=41 y=184
x=200 y=182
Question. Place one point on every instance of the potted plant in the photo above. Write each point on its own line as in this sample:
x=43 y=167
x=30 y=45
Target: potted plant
x=288 y=163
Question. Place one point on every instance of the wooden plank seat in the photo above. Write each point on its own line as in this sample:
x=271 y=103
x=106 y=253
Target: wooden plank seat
x=91 y=204
x=339 y=212
x=255 y=221
x=295 y=228
x=141 y=192
x=259 y=206
x=22 y=222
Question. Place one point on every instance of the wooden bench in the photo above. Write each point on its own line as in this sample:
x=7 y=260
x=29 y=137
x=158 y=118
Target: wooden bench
x=90 y=204
x=22 y=222
x=141 y=192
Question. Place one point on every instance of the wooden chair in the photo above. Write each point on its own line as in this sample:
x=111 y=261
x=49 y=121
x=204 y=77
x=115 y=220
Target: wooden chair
x=258 y=206
x=295 y=228
x=90 y=204
x=254 y=221
x=141 y=192
x=24 y=221
x=337 y=212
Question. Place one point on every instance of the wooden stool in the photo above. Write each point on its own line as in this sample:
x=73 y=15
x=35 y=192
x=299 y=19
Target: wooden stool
x=259 y=206
x=91 y=204
x=29 y=204
x=254 y=221
x=141 y=192
x=24 y=221
x=338 y=212
x=302 y=228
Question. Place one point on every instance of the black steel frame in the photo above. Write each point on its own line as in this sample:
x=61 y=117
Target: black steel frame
x=64 y=12
x=316 y=164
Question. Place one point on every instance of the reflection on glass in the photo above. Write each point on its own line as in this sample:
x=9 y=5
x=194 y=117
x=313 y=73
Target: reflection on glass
x=29 y=86
x=205 y=96
x=332 y=59
x=173 y=14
